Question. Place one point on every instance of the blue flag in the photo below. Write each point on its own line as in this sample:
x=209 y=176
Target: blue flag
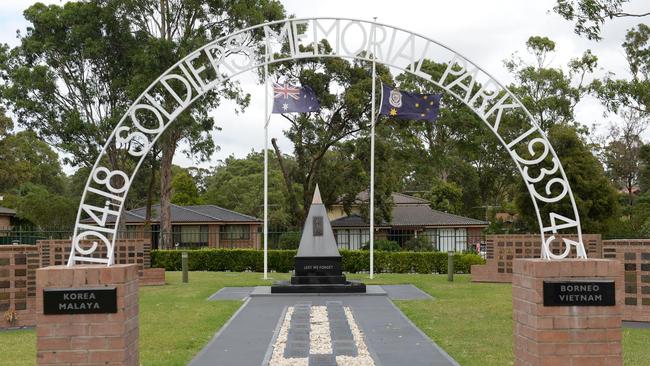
x=404 y=105
x=288 y=99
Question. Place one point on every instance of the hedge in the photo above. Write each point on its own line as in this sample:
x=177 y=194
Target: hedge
x=238 y=260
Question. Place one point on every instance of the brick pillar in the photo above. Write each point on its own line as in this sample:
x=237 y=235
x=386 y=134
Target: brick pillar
x=565 y=335
x=89 y=339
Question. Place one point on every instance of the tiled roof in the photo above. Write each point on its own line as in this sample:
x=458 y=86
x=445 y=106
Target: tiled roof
x=7 y=211
x=413 y=215
x=398 y=199
x=196 y=213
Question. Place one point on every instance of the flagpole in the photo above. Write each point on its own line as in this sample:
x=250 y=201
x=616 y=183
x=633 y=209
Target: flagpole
x=267 y=117
x=372 y=156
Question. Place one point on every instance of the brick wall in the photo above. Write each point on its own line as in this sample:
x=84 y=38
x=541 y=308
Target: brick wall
x=18 y=264
x=501 y=250
x=127 y=251
x=89 y=339
x=635 y=256
x=565 y=335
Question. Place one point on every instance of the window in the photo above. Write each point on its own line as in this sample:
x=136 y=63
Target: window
x=235 y=232
x=352 y=238
x=190 y=234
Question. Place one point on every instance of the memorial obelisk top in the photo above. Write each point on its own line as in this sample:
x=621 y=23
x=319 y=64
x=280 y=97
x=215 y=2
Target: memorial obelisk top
x=317 y=236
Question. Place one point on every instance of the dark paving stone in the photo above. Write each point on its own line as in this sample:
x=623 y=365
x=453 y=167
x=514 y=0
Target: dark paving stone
x=322 y=360
x=295 y=349
x=298 y=335
x=344 y=348
x=300 y=326
x=391 y=338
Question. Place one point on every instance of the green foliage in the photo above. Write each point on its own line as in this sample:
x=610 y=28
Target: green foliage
x=24 y=158
x=595 y=197
x=383 y=245
x=45 y=209
x=289 y=240
x=419 y=244
x=353 y=261
x=549 y=93
x=457 y=151
x=634 y=92
x=343 y=89
x=589 y=15
x=184 y=190
x=238 y=185
x=445 y=196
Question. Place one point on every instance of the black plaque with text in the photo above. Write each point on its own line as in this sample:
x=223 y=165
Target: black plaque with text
x=579 y=293
x=101 y=300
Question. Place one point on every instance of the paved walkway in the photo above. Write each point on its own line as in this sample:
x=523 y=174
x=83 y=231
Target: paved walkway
x=391 y=339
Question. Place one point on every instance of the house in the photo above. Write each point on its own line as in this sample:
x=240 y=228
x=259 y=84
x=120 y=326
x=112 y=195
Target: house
x=412 y=217
x=197 y=226
x=5 y=217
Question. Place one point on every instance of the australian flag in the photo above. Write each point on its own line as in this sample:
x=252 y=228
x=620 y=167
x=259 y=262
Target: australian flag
x=288 y=98
x=404 y=105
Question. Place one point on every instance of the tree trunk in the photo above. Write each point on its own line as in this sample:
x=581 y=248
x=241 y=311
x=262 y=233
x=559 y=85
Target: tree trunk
x=168 y=150
x=293 y=202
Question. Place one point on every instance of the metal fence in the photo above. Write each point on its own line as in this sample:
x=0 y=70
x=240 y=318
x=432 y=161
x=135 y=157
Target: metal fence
x=184 y=237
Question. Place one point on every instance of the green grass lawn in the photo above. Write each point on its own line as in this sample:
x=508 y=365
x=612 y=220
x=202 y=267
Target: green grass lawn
x=471 y=321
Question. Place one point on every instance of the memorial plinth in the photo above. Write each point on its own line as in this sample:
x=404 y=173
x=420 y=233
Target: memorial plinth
x=317 y=266
x=87 y=315
x=567 y=312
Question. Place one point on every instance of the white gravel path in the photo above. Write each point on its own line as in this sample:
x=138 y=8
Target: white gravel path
x=363 y=356
x=278 y=348
x=320 y=340
x=319 y=335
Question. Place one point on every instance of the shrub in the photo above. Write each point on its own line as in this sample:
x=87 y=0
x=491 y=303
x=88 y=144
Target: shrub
x=353 y=261
x=289 y=240
x=419 y=244
x=383 y=245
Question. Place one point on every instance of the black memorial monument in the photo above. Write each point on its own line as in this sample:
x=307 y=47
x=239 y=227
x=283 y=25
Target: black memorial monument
x=317 y=266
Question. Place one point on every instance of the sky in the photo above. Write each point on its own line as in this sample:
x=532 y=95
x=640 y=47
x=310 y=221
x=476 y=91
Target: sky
x=485 y=32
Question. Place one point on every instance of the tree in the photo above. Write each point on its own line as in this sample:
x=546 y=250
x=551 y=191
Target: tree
x=590 y=15
x=594 y=195
x=550 y=94
x=622 y=153
x=184 y=190
x=45 y=209
x=68 y=79
x=631 y=93
x=342 y=116
x=174 y=28
x=456 y=150
x=24 y=158
x=237 y=184
x=445 y=196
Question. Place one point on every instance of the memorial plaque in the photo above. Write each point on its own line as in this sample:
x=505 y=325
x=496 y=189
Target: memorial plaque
x=318 y=226
x=100 y=300
x=579 y=293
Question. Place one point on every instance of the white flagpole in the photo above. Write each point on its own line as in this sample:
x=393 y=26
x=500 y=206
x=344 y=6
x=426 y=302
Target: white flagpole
x=267 y=117
x=372 y=157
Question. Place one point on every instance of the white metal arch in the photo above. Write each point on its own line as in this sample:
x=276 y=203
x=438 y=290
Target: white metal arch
x=231 y=55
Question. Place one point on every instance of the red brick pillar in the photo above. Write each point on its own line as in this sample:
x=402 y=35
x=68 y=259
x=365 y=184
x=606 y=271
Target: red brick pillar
x=89 y=339
x=565 y=335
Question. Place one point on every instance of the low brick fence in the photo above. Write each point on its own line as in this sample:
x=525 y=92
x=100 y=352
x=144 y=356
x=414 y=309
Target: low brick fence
x=501 y=250
x=633 y=253
x=18 y=265
x=635 y=256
